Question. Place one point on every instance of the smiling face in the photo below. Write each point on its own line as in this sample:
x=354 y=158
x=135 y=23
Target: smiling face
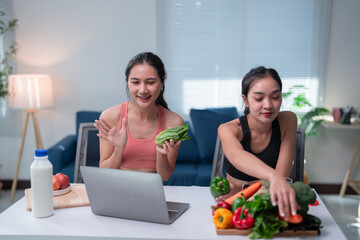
x=264 y=99
x=144 y=84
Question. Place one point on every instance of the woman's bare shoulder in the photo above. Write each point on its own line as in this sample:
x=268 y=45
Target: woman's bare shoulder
x=232 y=127
x=111 y=114
x=172 y=119
x=287 y=117
x=287 y=121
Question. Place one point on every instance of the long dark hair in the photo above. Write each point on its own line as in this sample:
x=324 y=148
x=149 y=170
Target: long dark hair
x=256 y=74
x=152 y=60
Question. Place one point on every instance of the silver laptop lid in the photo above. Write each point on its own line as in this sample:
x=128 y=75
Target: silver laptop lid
x=126 y=194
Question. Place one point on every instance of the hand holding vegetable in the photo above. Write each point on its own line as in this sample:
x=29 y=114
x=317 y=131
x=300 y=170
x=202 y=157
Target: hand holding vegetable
x=283 y=196
x=176 y=133
x=168 y=146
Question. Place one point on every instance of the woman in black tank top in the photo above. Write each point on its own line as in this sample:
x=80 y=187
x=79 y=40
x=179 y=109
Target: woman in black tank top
x=260 y=145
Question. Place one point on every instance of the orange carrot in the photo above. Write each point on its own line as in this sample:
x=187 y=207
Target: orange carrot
x=248 y=192
x=297 y=218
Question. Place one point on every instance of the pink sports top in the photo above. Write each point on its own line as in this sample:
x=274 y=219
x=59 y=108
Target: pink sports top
x=140 y=153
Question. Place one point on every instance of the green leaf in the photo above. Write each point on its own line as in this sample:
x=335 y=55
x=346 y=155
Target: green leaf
x=301 y=101
x=308 y=121
x=6 y=64
x=266 y=221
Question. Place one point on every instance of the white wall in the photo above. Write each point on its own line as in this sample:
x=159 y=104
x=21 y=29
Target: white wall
x=85 y=45
x=329 y=155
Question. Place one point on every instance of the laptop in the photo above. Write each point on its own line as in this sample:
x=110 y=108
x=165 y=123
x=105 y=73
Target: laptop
x=130 y=195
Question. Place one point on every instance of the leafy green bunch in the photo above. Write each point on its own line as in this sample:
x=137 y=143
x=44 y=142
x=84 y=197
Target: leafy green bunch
x=5 y=63
x=267 y=223
x=177 y=133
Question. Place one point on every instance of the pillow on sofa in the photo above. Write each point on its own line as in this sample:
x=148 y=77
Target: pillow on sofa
x=206 y=123
x=183 y=175
x=85 y=116
x=188 y=152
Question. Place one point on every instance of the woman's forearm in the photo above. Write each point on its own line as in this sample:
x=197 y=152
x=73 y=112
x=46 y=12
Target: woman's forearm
x=114 y=161
x=251 y=165
x=163 y=166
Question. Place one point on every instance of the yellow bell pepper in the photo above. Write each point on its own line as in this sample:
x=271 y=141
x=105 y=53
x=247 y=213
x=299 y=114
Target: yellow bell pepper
x=223 y=218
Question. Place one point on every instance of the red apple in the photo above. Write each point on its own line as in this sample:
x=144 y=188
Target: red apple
x=56 y=183
x=63 y=180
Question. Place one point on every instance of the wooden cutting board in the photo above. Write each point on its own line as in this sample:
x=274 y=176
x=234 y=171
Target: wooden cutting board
x=77 y=197
x=235 y=231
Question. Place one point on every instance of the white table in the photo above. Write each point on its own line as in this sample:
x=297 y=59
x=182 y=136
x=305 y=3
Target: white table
x=80 y=223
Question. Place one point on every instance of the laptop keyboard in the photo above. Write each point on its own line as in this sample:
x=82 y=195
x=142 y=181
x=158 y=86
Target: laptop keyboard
x=172 y=213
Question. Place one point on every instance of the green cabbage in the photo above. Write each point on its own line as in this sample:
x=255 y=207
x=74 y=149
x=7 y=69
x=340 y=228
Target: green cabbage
x=177 y=133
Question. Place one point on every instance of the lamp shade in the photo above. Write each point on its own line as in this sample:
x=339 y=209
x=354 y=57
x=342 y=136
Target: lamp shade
x=27 y=91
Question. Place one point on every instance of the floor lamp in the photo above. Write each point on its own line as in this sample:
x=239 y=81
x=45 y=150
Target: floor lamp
x=30 y=92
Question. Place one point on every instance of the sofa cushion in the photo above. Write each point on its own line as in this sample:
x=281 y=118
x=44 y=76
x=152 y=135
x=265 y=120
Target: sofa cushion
x=204 y=174
x=188 y=152
x=62 y=153
x=85 y=116
x=183 y=175
x=206 y=123
x=69 y=171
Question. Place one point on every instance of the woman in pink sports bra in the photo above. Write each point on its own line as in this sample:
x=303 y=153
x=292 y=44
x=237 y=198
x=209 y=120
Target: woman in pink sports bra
x=127 y=131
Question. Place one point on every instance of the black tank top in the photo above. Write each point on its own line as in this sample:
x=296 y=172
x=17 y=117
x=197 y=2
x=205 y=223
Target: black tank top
x=269 y=155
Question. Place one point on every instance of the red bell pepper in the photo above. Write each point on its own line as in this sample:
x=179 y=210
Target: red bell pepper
x=316 y=203
x=220 y=204
x=242 y=219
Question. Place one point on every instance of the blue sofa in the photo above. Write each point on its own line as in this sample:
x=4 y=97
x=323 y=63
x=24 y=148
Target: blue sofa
x=194 y=162
x=62 y=154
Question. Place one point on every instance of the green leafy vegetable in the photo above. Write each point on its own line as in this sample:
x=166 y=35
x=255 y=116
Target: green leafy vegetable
x=177 y=133
x=267 y=222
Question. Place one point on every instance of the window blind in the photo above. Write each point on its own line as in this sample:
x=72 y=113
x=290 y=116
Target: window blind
x=209 y=45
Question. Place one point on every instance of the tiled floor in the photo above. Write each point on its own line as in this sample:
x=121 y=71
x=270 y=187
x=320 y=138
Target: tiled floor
x=346 y=210
x=5 y=198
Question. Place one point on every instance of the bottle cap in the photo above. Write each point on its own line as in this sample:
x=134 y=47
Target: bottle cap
x=40 y=152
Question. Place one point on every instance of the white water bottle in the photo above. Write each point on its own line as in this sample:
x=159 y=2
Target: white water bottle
x=41 y=185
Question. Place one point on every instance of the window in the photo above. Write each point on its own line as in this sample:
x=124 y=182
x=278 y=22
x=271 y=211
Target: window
x=209 y=45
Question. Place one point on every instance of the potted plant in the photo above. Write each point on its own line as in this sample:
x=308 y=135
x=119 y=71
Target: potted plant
x=310 y=120
x=5 y=62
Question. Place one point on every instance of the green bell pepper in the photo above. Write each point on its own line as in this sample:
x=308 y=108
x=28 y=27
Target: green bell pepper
x=238 y=202
x=219 y=186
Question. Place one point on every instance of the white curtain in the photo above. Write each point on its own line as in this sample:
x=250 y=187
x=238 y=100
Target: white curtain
x=209 y=45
